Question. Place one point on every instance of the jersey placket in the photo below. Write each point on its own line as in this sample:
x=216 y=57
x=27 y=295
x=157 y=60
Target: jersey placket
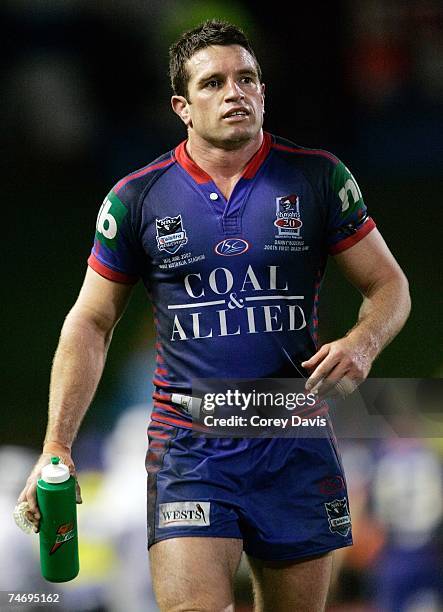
x=229 y=212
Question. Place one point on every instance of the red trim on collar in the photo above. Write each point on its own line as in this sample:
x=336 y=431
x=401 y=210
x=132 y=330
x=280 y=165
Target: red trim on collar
x=256 y=161
x=182 y=157
x=200 y=176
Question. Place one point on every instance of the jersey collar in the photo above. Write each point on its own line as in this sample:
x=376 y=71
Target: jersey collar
x=200 y=176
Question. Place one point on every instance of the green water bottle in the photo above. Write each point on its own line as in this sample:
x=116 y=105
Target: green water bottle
x=58 y=523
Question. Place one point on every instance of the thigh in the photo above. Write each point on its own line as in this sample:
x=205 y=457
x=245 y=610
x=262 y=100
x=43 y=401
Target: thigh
x=193 y=485
x=291 y=586
x=195 y=574
x=297 y=505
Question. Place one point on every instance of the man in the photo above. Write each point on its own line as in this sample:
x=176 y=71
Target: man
x=230 y=233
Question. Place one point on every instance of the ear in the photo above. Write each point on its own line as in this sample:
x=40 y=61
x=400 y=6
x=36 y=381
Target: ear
x=180 y=106
x=263 y=86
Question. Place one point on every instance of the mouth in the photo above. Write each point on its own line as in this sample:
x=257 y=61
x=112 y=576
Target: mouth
x=236 y=114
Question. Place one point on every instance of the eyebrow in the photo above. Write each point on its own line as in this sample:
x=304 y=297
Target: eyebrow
x=220 y=75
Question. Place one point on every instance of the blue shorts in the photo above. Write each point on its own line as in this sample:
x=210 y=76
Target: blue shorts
x=284 y=497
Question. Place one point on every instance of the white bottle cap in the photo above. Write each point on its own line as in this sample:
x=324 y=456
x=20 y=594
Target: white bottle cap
x=55 y=472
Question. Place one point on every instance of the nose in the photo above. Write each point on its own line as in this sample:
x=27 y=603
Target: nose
x=233 y=91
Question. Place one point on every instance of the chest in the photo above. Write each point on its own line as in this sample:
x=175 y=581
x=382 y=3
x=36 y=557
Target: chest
x=269 y=235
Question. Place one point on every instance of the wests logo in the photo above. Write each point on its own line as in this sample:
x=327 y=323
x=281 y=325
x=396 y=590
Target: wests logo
x=64 y=533
x=231 y=246
x=184 y=513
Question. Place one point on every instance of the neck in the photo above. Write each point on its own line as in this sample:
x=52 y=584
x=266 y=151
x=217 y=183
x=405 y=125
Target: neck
x=218 y=162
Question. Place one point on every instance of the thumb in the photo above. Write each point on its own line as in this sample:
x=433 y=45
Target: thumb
x=67 y=460
x=78 y=493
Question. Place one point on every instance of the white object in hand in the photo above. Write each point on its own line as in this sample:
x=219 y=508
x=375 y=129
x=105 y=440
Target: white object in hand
x=345 y=386
x=20 y=518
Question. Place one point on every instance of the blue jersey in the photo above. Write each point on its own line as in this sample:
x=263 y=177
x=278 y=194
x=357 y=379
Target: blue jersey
x=234 y=284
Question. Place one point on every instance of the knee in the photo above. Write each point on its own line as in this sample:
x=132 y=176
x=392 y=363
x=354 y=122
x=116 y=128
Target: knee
x=194 y=600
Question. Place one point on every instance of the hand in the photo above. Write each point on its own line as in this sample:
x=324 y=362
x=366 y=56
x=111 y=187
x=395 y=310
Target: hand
x=29 y=492
x=337 y=368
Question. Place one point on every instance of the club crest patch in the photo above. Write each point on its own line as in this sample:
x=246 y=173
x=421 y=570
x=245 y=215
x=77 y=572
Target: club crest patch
x=288 y=219
x=170 y=234
x=338 y=516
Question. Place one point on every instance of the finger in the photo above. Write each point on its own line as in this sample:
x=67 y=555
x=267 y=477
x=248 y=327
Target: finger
x=67 y=460
x=35 y=522
x=317 y=358
x=320 y=373
x=31 y=518
x=328 y=385
x=78 y=493
x=32 y=501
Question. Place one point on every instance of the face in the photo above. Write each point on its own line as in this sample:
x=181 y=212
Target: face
x=225 y=100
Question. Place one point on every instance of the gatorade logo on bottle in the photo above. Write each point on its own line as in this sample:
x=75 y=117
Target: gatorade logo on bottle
x=64 y=534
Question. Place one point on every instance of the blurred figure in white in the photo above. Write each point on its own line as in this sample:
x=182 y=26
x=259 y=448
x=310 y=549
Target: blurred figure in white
x=19 y=556
x=408 y=496
x=123 y=489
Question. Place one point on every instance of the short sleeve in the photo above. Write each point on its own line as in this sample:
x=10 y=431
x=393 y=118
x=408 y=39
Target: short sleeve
x=116 y=254
x=348 y=218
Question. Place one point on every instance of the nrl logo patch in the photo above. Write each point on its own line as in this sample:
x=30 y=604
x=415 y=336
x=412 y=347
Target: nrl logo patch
x=338 y=516
x=288 y=219
x=170 y=234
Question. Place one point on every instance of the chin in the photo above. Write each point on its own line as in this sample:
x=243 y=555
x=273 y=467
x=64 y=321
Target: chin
x=237 y=136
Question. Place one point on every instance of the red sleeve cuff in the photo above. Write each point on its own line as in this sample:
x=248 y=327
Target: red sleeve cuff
x=113 y=275
x=348 y=242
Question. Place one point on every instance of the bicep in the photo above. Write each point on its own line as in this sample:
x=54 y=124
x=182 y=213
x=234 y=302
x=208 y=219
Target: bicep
x=369 y=263
x=101 y=302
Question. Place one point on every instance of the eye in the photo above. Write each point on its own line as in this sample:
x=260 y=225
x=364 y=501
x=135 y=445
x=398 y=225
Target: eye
x=212 y=84
x=247 y=79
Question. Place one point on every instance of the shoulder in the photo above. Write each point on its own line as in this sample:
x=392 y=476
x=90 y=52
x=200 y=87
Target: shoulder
x=304 y=157
x=324 y=170
x=131 y=187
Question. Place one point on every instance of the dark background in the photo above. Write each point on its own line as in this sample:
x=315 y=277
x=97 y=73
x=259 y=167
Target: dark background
x=86 y=100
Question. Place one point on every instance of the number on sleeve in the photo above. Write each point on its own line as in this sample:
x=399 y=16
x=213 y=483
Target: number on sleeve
x=106 y=223
x=343 y=194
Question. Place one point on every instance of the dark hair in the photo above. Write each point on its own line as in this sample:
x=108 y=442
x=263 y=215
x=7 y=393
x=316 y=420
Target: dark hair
x=211 y=32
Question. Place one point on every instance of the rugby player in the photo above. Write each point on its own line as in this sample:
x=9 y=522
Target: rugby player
x=230 y=234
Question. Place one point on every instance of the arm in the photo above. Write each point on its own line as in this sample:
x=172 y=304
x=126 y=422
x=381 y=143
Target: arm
x=76 y=371
x=372 y=269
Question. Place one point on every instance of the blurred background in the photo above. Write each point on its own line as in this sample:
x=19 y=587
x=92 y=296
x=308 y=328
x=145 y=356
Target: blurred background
x=85 y=100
